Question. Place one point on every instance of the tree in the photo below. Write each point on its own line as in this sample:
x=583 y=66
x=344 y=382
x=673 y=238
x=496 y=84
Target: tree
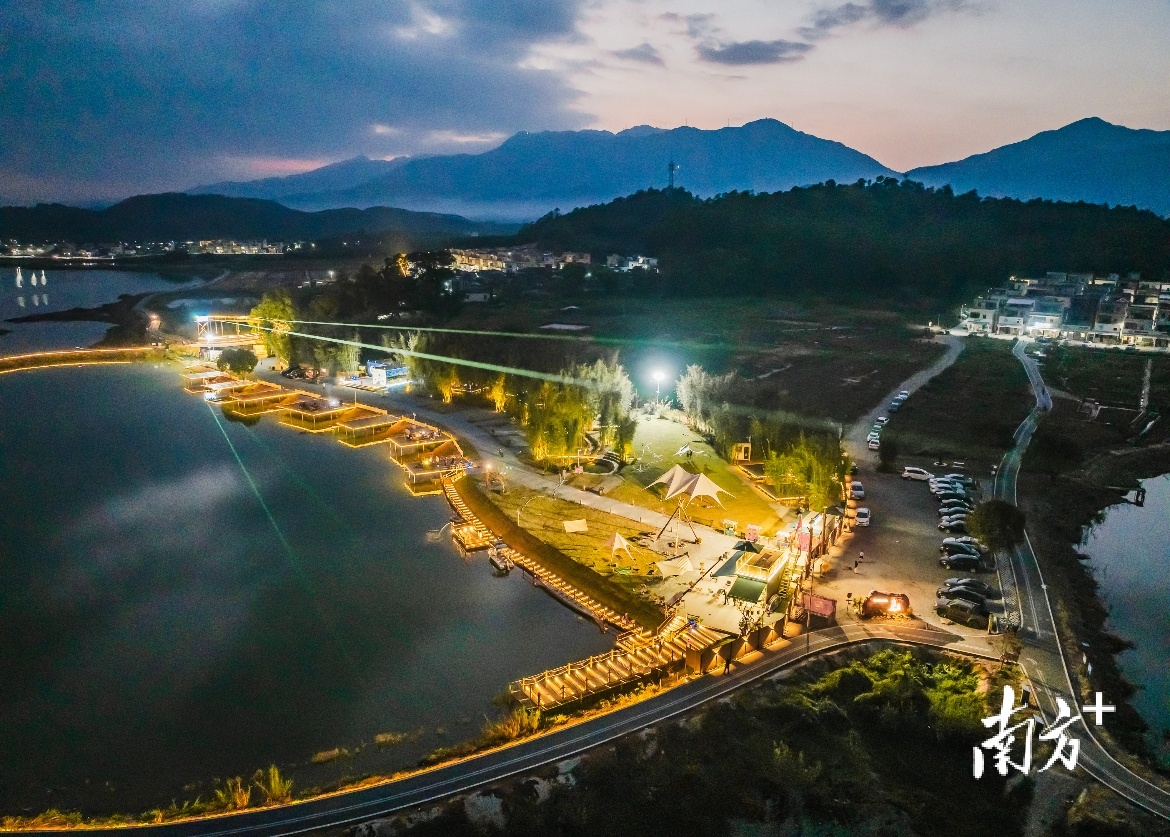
x=1052 y=452
x=888 y=453
x=997 y=523
x=237 y=361
x=276 y=312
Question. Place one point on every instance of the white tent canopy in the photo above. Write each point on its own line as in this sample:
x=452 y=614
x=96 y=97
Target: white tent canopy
x=618 y=542
x=678 y=481
x=678 y=566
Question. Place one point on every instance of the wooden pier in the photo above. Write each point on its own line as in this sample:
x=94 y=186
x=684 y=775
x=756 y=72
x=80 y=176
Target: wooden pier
x=426 y=454
x=638 y=655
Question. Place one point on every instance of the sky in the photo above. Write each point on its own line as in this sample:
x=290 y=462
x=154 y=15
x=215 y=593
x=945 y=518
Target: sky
x=107 y=98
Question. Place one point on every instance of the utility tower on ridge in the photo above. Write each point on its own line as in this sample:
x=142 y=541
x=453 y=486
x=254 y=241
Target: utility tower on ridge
x=671 y=168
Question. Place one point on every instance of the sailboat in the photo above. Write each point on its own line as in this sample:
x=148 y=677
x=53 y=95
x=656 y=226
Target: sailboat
x=19 y=278
x=43 y=279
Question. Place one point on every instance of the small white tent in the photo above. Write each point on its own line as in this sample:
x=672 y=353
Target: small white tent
x=618 y=542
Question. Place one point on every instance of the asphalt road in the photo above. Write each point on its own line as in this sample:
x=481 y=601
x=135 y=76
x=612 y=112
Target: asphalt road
x=1042 y=658
x=381 y=800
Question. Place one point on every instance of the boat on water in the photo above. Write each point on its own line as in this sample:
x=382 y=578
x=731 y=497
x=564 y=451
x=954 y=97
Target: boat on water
x=498 y=557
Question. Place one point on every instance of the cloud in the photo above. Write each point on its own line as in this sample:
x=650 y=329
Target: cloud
x=739 y=53
x=643 y=53
x=445 y=137
x=899 y=13
x=129 y=96
x=697 y=26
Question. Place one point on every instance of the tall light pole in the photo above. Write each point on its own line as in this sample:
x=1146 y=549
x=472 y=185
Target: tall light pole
x=658 y=378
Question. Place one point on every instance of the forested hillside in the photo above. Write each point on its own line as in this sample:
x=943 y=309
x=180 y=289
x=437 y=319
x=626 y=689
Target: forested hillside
x=881 y=239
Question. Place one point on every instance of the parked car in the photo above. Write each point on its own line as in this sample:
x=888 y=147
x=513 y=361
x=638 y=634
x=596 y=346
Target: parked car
x=967 y=540
x=946 y=482
x=962 y=612
x=862 y=518
x=904 y=394
x=981 y=587
x=958 y=549
x=965 y=594
x=955 y=518
x=874 y=444
x=953 y=507
x=881 y=420
x=950 y=495
x=955 y=526
x=856 y=491
x=965 y=563
x=911 y=473
x=963 y=479
x=894 y=405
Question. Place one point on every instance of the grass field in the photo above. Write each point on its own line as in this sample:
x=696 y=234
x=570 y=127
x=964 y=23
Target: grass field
x=820 y=361
x=970 y=410
x=656 y=444
x=1112 y=377
x=544 y=516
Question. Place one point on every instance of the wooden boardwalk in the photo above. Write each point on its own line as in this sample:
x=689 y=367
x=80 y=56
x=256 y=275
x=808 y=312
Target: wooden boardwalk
x=637 y=656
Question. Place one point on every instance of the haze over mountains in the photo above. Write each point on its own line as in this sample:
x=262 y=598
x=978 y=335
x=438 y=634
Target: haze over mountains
x=181 y=217
x=531 y=174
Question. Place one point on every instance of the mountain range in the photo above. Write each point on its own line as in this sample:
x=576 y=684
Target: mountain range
x=1091 y=160
x=180 y=217
x=533 y=173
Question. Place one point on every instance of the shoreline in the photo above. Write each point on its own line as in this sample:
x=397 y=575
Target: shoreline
x=1058 y=529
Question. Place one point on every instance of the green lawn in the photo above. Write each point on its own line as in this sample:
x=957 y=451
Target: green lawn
x=655 y=445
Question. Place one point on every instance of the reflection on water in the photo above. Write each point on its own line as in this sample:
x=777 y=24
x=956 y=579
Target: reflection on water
x=1129 y=556
x=166 y=622
x=71 y=289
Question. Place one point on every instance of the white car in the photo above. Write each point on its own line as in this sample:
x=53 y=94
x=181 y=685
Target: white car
x=874 y=444
x=856 y=491
x=911 y=473
x=882 y=419
x=862 y=517
x=904 y=394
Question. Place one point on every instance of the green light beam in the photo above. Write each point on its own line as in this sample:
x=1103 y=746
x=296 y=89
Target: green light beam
x=609 y=341
x=567 y=380
x=292 y=556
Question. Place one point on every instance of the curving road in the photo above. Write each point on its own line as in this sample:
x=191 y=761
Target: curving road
x=1042 y=658
x=351 y=807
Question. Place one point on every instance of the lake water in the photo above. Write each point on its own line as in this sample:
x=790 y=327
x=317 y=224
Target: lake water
x=1129 y=552
x=65 y=289
x=184 y=597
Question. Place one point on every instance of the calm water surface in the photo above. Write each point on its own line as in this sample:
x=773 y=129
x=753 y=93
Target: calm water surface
x=1130 y=556
x=184 y=597
x=65 y=289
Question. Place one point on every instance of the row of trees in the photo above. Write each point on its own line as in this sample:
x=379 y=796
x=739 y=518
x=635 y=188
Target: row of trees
x=802 y=456
x=557 y=415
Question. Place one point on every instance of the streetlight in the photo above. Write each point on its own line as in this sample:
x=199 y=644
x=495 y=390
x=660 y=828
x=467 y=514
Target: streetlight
x=658 y=378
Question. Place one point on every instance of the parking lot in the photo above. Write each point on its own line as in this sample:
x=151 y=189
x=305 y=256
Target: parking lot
x=901 y=548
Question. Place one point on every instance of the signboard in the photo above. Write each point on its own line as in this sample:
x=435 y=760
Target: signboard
x=820 y=605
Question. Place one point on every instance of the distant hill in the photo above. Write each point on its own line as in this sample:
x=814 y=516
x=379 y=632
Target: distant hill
x=1090 y=160
x=900 y=243
x=533 y=173
x=181 y=217
x=344 y=175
